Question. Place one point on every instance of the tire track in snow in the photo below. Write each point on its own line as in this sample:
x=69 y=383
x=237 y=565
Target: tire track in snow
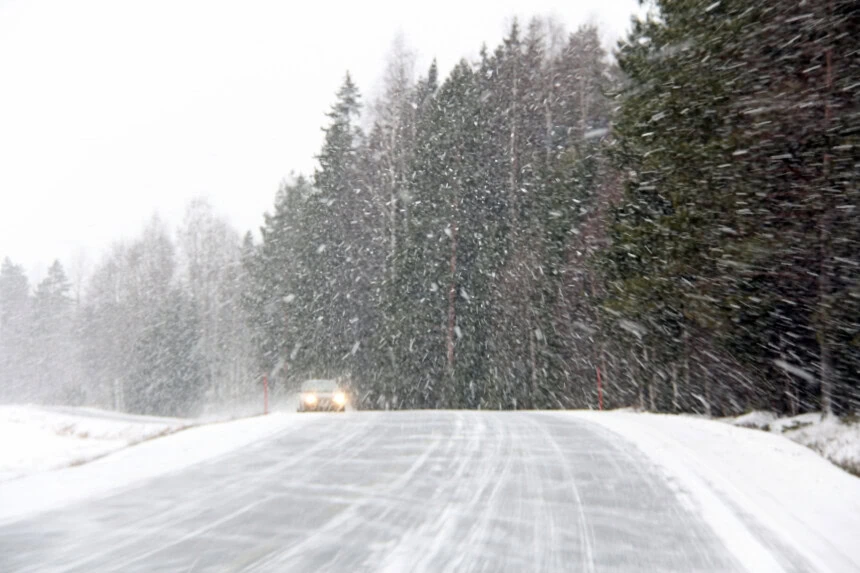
x=424 y=541
x=483 y=502
x=346 y=520
x=416 y=491
x=161 y=520
x=586 y=534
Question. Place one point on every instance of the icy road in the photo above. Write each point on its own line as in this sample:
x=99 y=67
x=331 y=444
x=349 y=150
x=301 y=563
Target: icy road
x=399 y=492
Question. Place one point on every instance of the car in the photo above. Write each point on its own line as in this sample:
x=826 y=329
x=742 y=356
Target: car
x=322 y=395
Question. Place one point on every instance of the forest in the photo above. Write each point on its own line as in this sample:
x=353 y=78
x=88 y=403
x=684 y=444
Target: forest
x=671 y=226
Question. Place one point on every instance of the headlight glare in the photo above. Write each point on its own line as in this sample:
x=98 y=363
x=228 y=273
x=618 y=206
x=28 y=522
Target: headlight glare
x=339 y=398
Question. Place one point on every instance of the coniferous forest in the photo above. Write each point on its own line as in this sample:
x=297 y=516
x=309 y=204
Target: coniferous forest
x=672 y=226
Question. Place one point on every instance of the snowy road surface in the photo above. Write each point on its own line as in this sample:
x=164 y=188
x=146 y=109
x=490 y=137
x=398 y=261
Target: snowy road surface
x=408 y=491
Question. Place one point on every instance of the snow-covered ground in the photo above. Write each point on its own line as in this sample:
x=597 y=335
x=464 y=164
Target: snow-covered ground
x=38 y=438
x=743 y=480
x=835 y=439
x=129 y=466
x=35 y=439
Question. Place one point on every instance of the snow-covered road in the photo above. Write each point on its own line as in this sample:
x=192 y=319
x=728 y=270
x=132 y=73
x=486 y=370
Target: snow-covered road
x=398 y=492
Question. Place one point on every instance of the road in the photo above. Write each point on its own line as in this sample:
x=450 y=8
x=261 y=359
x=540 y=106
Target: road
x=398 y=492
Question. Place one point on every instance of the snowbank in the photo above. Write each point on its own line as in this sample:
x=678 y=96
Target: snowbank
x=835 y=439
x=49 y=490
x=757 y=419
x=36 y=439
x=746 y=482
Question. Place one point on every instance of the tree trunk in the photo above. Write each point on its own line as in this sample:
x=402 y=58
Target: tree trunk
x=652 y=394
x=707 y=383
x=826 y=359
x=824 y=287
x=685 y=337
x=392 y=222
x=641 y=379
x=599 y=350
x=676 y=407
x=514 y=164
x=547 y=107
x=533 y=360
x=452 y=293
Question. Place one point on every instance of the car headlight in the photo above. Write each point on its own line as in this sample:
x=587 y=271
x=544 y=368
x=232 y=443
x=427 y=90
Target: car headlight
x=310 y=399
x=339 y=398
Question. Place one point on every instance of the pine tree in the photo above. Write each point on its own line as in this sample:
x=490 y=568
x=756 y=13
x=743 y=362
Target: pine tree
x=170 y=375
x=51 y=324
x=14 y=331
x=332 y=227
x=733 y=195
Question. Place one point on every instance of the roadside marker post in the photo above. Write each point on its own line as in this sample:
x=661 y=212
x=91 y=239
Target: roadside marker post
x=599 y=389
x=265 y=394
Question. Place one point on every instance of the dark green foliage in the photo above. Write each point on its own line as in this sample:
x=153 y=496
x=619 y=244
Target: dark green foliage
x=451 y=227
x=683 y=222
x=735 y=229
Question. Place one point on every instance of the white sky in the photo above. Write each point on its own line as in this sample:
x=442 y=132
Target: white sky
x=111 y=110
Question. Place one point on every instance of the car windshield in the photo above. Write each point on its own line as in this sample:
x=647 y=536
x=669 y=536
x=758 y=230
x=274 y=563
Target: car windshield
x=443 y=286
x=319 y=386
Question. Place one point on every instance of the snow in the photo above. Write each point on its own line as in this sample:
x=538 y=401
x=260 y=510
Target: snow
x=125 y=467
x=746 y=482
x=441 y=490
x=633 y=328
x=757 y=419
x=37 y=439
x=783 y=425
x=796 y=370
x=594 y=133
x=390 y=491
x=834 y=439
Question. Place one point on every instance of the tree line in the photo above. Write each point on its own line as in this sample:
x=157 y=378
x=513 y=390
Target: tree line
x=672 y=227
x=157 y=328
x=547 y=228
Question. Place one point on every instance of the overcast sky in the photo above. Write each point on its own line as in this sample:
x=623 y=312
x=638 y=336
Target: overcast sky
x=111 y=110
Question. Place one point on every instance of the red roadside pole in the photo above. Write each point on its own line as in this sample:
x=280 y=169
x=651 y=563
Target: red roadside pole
x=599 y=389
x=265 y=394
